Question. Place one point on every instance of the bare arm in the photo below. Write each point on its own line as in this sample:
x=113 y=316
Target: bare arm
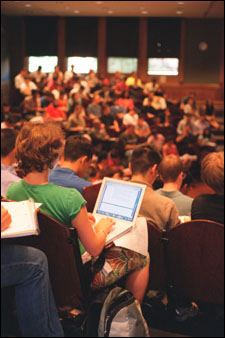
x=93 y=241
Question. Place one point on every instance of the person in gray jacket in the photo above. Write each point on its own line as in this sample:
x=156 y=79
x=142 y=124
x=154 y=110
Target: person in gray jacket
x=159 y=210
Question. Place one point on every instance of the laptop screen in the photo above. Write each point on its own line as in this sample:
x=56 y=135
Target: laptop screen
x=119 y=200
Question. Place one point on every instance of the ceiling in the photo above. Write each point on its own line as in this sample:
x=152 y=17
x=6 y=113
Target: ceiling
x=186 y=9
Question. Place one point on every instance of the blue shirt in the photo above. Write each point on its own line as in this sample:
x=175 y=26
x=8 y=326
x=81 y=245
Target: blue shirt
x=66 y=177
x=8 y=176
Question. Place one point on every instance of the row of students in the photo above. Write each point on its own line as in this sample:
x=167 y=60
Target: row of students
x=38 y=147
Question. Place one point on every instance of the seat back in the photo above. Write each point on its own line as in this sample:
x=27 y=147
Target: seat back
x=196 y=260
x=60 y=245
x=157 y=276
x=90 y=194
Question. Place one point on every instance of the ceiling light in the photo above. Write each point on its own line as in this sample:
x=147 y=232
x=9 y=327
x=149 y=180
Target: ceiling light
x=76 y=12
x=179 y=12
x=144 y=12
x=99 y=2
x=180 y=3
x=110 y=12
x=28 y=5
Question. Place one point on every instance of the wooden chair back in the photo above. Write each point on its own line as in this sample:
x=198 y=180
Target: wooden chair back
x=196 y=260
x=60 y=245
x=90 y=194
x=157 y=276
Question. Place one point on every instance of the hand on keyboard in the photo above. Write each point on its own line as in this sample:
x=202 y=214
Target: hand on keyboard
x=105 y=224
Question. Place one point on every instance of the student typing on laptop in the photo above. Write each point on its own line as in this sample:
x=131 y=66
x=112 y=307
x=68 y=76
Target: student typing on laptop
x=120 y=200
x=37 y=148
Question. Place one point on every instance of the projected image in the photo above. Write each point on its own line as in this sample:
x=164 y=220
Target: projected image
x=163 y=66
x=82 y=65
x=123 y=65
x=48 y=63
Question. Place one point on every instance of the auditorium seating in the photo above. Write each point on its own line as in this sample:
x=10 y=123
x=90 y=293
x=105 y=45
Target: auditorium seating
x=90 y=194
x=196 y=260
x=157 y=276
x=66 y=271
x=189 y=260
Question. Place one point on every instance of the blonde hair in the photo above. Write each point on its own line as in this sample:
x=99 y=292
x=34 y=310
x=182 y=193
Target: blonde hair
x=212 y=171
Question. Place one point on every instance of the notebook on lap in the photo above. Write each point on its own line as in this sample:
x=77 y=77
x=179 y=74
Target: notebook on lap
x=120 y=200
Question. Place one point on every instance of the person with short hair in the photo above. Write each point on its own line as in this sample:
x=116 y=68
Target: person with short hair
x=54 y=113
x=32 y=105
x=27 y=86
x=172 y=174
x=94 y=109
x=159 y=210
x=37 y=76
x=133 y=80
x=8 y=173
x=201 y=123
x=78 y=154
x=69 y=74
x=128 y=140
x=131 y=118
x=5 y=111
x=76 y=121
x=156 y=140
x=20 y=78
x=211 y=206
x=13 y=120
x=142 y=129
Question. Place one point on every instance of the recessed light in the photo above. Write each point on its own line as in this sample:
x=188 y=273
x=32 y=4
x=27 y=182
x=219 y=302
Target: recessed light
x=180 y=3
x=144 y=12
x=76 y=12
x=110 y=12
x=99 y=2
x=179 y=12
x=28 y=5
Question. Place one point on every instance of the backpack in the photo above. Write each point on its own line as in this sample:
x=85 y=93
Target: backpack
x=115 y=313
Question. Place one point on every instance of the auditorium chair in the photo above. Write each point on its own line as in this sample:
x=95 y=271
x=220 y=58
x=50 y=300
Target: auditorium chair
x=196 y=260
x=90 y=194
x=66 y=269
x=156 y=243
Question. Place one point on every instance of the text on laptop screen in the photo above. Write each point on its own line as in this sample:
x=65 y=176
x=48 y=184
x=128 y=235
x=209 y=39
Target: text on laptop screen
x=119 y=200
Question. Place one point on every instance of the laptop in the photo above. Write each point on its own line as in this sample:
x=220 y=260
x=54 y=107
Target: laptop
x=120 y=200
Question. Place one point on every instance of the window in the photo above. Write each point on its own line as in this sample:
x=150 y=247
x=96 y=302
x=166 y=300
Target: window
x=163 y=66
x=123 y=65
x=82 y=65
x=47 y=63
